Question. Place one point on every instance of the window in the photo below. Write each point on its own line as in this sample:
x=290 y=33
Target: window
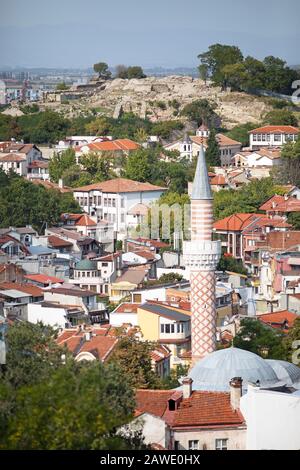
x=122 y=203
x=173 y=328
x=176 y=445
x=193 y=445
x=277 y=137
x=221 y=444
x=167 y=328
x=162 y=328
x=254 y=137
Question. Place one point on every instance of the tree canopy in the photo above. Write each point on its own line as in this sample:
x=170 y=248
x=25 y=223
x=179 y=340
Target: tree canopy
x=226 y=66
x=23 y=203
x=101 y=68
x=213 y=154
x=203 y=112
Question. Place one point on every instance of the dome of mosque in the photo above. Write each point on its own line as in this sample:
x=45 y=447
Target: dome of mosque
x=285 y=371
x=214 y=371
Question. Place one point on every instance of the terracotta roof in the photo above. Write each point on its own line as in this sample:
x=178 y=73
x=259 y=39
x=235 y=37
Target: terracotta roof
x=85 y=221
x=149 y=255
x=27 y=288
x=127 y=308
x=154 y=402
x=75 y=292
x=150 y=242
x=218 y=180
x=281 y=320
x=12 y=157
x=283 y=240
x=235 y=222
x=99 y=346
x=43 y=278
x=222 y=139
x=120 y=185
x=275 y=129
x=160 y=353
x=49 y=185
x=112 y=145
x=56 y=242
x=205 y=409
x=281 y=204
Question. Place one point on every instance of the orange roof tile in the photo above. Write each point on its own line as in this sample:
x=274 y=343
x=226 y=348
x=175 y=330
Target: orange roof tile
x=154 y=402
x=218 y=180
x=207 y=409
x=236 y=222
x=85 y=221
x=100 y=346
x=43 y=278
x=113 y=145
x=30 y=289
x=275 y=129
x=56 y=242
x=278 y=319
x=120 y=185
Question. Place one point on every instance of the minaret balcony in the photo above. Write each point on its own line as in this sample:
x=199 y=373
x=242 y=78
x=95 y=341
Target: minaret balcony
x=202 y=255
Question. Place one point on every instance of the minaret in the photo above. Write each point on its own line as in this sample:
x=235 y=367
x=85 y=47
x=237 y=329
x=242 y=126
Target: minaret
x=201 y=256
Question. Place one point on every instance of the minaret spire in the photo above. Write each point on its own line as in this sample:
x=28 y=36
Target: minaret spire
x=201 y=187
x=201 y=256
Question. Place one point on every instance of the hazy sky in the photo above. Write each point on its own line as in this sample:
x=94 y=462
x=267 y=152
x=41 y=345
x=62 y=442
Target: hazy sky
x=77 y=33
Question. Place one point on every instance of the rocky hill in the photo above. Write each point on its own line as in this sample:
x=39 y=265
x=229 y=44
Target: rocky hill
x=162 y=98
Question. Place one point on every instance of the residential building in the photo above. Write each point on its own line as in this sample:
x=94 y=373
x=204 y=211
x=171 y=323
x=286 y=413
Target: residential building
x=191 y=147
x=82 y=245
x=116 y=200
x=170 y=326
x=264 y=157
x=272 y=136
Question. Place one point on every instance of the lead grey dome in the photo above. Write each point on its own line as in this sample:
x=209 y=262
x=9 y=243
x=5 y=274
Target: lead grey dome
x=286 y=371
x=214 y=371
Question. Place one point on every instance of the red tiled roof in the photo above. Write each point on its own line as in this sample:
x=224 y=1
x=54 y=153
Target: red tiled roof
x=218 y=180
x=85 y=221
x=154 y=402
x=43 y=279
x=150 y=242
x=57 y=242
x=120 y=185
x=50 y=185
x=279 y=319
x=235 y=222
x=127 y=308
x=112 y=145
x=281 y=204
x=12 y=157
x=99 y=346
x=275 y=129
x=30 y=289
x=207 y=409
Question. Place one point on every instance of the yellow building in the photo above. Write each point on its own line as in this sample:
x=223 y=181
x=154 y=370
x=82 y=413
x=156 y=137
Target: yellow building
x=169 y=326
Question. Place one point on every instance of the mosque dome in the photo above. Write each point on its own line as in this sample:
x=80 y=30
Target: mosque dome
x=286 y=371
x=86 y=265
x=214 y=371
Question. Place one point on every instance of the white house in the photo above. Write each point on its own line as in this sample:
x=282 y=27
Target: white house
x=118 y=201
x=189 y=146
x=19 y=157
x=261 y=158
x=272 y=136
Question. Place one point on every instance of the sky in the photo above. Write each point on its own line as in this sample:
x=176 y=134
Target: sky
x=167 y=33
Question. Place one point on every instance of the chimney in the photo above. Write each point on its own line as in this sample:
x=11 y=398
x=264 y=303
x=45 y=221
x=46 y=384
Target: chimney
x=235 y=392
x=187 y=387
x=88 y=335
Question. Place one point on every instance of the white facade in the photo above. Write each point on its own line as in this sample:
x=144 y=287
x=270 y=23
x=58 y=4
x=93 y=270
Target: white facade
x=53 y=316
x=211 y=439
x=270 y=139
x=273 y=419
x=114 y=207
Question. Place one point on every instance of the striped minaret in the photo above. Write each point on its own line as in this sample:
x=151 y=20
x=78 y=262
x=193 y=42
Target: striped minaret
x=201 y=256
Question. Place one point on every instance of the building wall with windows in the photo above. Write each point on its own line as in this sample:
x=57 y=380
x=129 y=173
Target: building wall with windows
x=210 y=439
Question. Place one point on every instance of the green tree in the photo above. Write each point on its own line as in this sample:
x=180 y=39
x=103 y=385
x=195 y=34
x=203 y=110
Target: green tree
x=215 y=59
x=203 y=72
x=235 y=75
x=202 y=111
x=241 y=133
x=282 y=117
x=135 y=71
x=228 y=263
x=291 y=342
x=101 y=68
x=278 y=76
x=260 y=339
x=213 y=154
x=294 y=220
x=60 y=162
x=140 y=165
x=132 y=356
x=288 y=172
x=121 y=71
x=99 y=126
x=32 y=354
x=62 y=86
x=77 y=407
